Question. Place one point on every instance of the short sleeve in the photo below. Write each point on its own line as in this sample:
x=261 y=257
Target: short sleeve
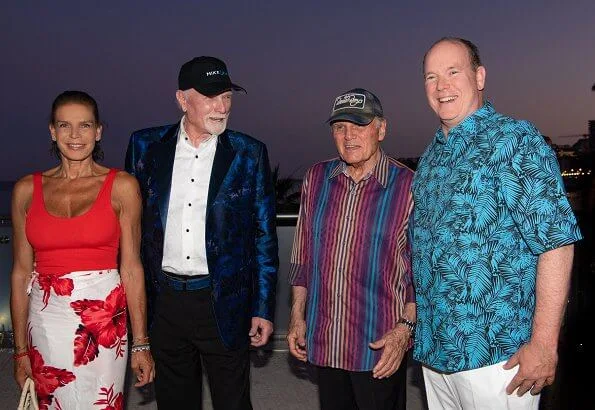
x=534 y=192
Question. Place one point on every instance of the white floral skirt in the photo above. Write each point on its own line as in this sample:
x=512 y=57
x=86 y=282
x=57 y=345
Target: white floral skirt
x=78 y=339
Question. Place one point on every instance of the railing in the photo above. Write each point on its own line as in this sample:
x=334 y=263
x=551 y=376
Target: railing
x=285 y=229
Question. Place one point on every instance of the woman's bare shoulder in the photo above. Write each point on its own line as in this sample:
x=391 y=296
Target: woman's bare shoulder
x=22 y=192
x=23 y=186
x=125 y=185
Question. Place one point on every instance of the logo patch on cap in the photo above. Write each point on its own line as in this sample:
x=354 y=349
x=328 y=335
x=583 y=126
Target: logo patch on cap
x=350 y=100
x=217 y=72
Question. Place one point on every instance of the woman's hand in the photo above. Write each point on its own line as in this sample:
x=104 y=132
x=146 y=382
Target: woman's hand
x=143 y=367
x=22 y=370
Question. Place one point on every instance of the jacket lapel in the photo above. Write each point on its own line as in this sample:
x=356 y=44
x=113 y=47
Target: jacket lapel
x=164 y=164
x=224 y=156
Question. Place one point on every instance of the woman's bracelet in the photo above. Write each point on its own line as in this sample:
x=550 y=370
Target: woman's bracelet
x=140 y=348
x=18 y=356
x=139 y=340
x=21 y=349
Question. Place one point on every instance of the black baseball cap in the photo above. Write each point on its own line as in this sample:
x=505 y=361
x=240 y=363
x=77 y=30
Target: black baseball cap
x=358 y=106
x=207 y=75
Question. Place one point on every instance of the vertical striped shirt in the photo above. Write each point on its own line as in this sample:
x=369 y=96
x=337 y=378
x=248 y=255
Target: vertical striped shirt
x=351 y=253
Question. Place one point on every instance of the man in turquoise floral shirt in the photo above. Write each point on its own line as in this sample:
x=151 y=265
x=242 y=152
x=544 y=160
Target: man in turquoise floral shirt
x=493 y=238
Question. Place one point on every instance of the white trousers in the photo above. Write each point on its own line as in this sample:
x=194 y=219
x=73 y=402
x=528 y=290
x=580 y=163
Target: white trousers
x=483 y=388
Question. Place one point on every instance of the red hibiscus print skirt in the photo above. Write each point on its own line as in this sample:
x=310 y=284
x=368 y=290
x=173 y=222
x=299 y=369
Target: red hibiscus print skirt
x=78 y=339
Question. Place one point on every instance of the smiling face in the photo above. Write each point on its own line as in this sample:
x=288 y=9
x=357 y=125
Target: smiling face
x=358 y=145
x=453 y=87
x=205 y=116
x=75 y=131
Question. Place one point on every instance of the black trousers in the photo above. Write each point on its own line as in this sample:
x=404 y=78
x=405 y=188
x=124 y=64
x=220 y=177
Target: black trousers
x=184 y=337
x=344 y=390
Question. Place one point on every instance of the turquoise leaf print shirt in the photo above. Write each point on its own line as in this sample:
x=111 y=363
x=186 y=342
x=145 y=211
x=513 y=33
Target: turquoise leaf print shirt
x=488 y=201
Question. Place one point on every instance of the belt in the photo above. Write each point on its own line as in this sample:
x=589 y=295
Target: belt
x=179 y=282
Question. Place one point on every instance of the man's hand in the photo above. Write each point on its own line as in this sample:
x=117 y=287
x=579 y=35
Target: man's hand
x=394 y=343
x=537 y=368
x=260 y=331
x=143 y=367
x=296 y=337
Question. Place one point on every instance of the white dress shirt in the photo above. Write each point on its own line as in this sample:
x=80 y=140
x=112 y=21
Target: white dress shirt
x=184 y=249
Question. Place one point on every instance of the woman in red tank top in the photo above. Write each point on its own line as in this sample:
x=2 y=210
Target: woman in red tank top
x=69 y=301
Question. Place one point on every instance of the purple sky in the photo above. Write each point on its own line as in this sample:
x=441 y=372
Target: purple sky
x=293 y=58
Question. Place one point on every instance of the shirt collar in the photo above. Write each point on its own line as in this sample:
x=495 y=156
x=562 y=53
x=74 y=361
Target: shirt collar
x=379 y=172
x=467 y=128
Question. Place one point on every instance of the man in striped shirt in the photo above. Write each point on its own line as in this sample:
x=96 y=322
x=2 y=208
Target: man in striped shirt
x=353 y=309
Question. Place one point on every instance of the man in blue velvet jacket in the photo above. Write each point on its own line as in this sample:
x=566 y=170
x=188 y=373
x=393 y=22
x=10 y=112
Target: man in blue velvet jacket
x=209 y=244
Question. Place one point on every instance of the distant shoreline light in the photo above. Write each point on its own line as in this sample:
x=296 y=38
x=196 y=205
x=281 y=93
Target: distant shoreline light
x=576 y=173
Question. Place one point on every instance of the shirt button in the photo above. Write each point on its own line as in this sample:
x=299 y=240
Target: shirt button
x=192 y=180
x=189 y=204
x=187 y=230
x=196 y=156
x=187 y=257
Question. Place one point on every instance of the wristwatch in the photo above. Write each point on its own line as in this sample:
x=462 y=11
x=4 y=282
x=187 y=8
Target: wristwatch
x=410 y=325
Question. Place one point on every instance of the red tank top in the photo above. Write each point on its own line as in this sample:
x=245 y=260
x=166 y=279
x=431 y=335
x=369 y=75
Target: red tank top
x=85 y=242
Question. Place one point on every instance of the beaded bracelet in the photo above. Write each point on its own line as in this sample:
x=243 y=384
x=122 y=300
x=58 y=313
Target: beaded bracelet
x=140 y=348
x=21 y=349
x=18 y=356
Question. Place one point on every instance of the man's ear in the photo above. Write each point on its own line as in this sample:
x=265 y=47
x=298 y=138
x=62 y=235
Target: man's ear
x=382 y=130
x=480 y=77
x=181 y=98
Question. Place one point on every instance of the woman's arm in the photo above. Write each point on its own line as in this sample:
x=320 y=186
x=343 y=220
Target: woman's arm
x=22 y=267
x=127 y=202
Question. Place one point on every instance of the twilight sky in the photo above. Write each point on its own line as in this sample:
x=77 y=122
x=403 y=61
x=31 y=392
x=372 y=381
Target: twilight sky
x=294 y=58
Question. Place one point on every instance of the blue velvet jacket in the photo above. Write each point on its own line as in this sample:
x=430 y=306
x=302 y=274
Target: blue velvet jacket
x=241 y=239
